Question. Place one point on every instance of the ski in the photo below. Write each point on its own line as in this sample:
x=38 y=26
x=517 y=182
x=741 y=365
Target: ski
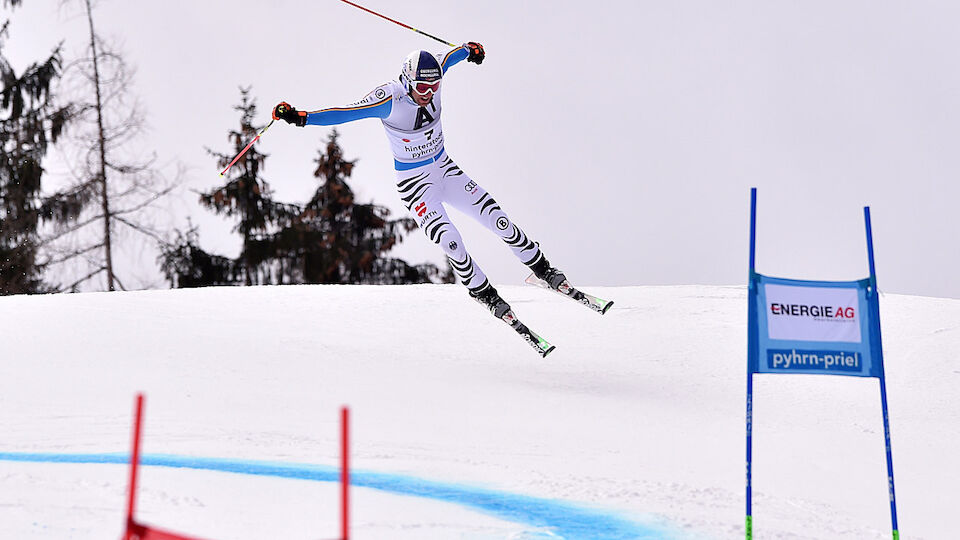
x=596 y=304
x=542 y=346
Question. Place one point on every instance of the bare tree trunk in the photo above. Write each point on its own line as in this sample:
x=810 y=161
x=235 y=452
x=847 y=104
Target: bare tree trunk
x=105 y=199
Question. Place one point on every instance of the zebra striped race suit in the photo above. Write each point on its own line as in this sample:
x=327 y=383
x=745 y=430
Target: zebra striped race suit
x=423 y=191
x=427 y=178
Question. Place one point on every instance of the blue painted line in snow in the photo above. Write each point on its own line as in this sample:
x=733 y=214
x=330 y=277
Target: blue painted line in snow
x=553 y=518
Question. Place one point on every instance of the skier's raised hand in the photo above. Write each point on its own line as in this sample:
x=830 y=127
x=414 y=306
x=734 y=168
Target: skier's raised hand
x=284 y=111
x=476 y=52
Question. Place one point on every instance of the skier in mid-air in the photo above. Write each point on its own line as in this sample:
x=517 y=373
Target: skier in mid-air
x=427 y=177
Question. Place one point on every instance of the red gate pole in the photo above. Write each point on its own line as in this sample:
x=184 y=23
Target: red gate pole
x=345 y=473
x=134 y=464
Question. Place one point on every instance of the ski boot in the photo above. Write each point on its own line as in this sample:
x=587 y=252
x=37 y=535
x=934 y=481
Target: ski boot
x=488 y=296
x=553 y=277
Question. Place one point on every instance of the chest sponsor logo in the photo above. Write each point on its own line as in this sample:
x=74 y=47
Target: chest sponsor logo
x=427 y=147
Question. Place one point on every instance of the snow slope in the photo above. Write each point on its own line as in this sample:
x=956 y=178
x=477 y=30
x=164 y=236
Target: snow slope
x=633 y=427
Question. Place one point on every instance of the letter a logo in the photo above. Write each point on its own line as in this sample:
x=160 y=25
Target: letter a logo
x=423 y=117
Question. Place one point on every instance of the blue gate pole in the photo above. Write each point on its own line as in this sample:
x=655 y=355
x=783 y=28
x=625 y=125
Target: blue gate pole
x=753 y=230
x=751 y=301
x=875 y=309
x=749 y=524
x=886 y=434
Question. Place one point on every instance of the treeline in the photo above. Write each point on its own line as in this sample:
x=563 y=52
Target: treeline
x=65 y=239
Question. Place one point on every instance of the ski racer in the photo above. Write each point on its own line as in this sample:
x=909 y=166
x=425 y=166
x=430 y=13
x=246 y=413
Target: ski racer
x=427 y=178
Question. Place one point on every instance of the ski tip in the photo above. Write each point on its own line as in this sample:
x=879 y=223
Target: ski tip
x=548 y=351
x=607 y=307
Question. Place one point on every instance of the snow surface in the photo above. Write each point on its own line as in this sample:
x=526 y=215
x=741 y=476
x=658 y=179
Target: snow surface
x=634 y=426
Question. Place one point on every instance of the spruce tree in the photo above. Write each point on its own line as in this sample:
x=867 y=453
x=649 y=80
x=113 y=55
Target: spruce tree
x=334 y=239
x=246 y=196
x=29 y=122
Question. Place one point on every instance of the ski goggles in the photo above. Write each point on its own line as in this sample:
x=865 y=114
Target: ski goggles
x=424 y=87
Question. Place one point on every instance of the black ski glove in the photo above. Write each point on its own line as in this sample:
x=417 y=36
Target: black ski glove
x=284 y=111
x=476 y=52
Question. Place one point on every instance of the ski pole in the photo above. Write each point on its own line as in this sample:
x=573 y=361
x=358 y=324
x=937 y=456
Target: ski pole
x=244 y=151
x=398 y=22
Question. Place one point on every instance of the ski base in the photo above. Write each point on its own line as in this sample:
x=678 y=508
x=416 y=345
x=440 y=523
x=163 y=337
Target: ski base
x=596 y=304
x=542 y=346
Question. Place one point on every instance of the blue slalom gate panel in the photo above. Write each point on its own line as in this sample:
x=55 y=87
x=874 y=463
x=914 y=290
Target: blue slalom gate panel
x=814 y=327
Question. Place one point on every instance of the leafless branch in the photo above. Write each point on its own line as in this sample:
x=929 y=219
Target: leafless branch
x=75 y=254
x=71 y=229
x=73 y=285
x=142 y=230
x=143 y=204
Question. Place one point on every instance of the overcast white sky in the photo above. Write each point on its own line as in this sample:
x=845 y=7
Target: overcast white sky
x=623 y=136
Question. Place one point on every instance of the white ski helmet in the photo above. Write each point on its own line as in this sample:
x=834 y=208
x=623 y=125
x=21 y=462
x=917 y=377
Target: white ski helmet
x=419 y=66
